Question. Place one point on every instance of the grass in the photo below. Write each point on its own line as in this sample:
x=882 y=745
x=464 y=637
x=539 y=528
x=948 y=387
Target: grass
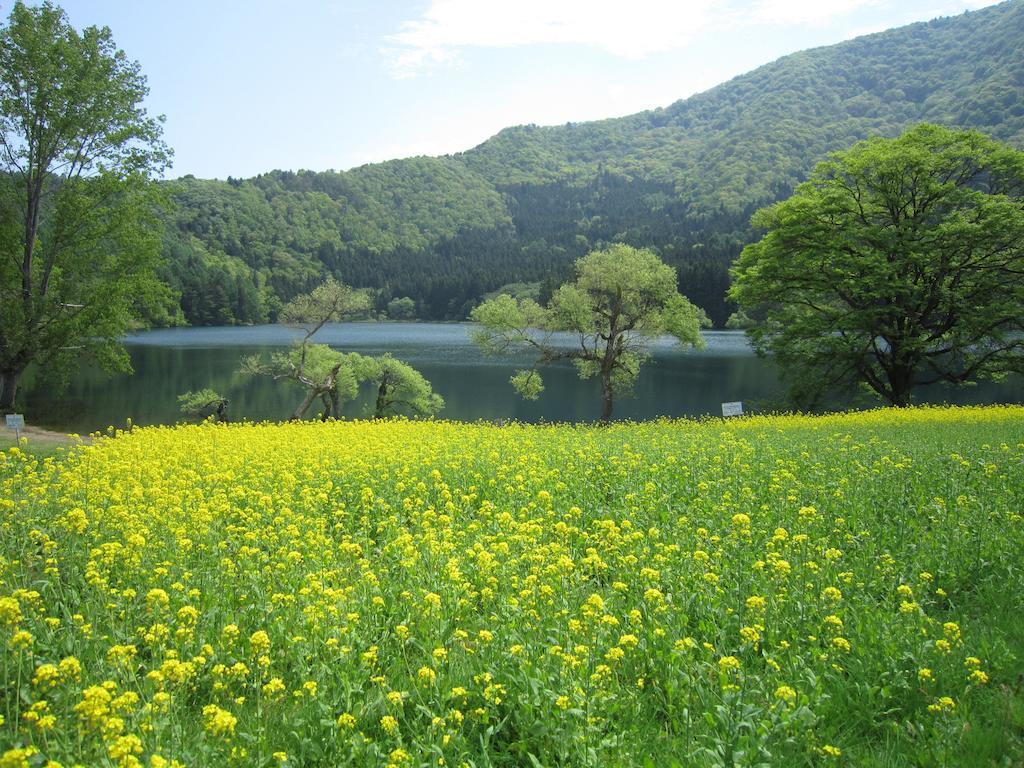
x=39 y=442
x=803 y=591
x=39 y=450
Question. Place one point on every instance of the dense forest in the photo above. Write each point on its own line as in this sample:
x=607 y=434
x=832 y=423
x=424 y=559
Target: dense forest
x=522 y=206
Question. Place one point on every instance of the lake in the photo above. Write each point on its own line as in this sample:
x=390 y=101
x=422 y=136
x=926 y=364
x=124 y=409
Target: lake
x=169 y=362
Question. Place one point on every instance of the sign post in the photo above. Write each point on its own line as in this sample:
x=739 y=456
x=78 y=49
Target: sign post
x=732 y=409
x=16 y=421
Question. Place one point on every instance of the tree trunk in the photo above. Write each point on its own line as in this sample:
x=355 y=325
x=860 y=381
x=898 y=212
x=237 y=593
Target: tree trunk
x=8 y=389
x=382 y=399
x=607 y=398
x=332 y=401
x=222 y=411
x=899 y=398
x=901 y=384
x=304 y=405
x=611 y=354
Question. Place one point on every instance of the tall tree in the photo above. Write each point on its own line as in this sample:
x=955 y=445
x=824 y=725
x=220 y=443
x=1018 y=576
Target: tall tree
x=622 y=298
x=900 y=263
x=79 y=231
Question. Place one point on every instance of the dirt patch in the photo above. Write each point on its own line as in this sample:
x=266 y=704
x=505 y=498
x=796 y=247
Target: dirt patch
x=41 y=437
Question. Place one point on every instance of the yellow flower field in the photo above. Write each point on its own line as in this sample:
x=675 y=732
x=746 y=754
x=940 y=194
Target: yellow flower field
x=765 y=591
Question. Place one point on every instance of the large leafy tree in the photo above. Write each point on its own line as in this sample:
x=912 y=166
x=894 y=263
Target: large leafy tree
x=79 y=231
x=621 y=299
x=899 y=263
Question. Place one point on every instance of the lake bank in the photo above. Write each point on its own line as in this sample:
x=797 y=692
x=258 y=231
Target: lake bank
x=168 y=362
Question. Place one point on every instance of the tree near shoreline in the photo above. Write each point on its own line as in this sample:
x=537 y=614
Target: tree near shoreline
x=79 y=226
x=206 y=403
x=899 y=263
x=399 y=388
x=323 y=372
x=335 y=377
x=622 y=299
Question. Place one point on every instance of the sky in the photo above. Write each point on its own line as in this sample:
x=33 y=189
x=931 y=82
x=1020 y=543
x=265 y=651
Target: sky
x=249 y=86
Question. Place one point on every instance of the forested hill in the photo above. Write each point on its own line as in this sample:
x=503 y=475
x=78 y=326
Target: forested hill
x=527 y=202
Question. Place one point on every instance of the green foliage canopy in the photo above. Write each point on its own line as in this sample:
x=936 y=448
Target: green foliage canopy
x=900 y=263
x=204 y=403
x=322 y=372
x=621 y=299
x=400 y=388
x=333 y=376
x=403 y=308
x=329 y=302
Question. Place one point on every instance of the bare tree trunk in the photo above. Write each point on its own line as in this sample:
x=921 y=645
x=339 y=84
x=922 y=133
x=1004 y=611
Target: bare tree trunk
x=901 y=384
x=899 y=398
x=607 y=397
x=332 y=402
x=607 y=366
x=304 y=405
x=382 y=401
x=8 y=388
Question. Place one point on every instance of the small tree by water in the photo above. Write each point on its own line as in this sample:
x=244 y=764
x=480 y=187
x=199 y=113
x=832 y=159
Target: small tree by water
x=204 y=404
x=334 y=377
x=399 y=388
x=622 y=299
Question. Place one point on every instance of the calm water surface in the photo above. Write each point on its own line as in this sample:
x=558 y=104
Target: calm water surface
x=169 y=362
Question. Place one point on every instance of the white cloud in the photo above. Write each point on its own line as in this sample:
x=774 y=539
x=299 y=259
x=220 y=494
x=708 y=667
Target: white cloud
x=806 y=12
x=628 y=30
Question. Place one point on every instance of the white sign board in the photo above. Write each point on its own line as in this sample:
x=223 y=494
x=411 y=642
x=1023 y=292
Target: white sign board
x=16 y=421
x=732 y=409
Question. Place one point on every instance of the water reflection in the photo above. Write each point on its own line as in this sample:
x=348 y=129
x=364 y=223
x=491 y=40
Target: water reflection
x=170 y=362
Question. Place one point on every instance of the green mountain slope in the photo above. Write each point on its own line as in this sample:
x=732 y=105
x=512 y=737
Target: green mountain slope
x=524 y=204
